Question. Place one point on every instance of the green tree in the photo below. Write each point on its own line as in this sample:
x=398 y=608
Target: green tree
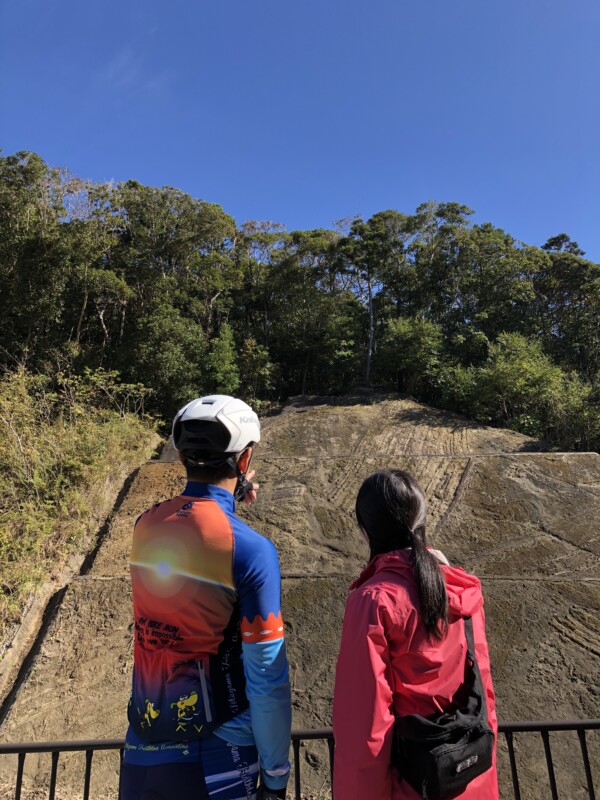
x=491 y=291
x=519 y=387
x=141 y=279
x=567 y=305
x=411 y=353
x=257 y=373
x=166 y=352
x=222 y=362
x=562 y=243
x=32 y=254
x=374 y=252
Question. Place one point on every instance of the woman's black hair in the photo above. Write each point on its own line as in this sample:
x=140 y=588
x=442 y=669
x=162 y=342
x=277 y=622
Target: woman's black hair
x=391 y=510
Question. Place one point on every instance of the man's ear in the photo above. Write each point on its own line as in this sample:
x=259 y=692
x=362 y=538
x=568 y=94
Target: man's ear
x=244 y=459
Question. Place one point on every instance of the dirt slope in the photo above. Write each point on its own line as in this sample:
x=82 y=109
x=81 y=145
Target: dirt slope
x=525 y=521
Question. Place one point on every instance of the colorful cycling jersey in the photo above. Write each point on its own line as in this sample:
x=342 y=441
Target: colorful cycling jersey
x=208 y=646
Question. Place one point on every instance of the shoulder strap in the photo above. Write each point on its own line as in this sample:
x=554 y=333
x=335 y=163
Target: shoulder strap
x=469 y=636
x=471 y=713
x=478 y=684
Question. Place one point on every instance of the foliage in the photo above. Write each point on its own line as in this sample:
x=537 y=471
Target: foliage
x=222 y=363
x=166 y=289
x=519 y=387
x=166 y=351
x=257 y=373
x=411 y=353
x=65 y=445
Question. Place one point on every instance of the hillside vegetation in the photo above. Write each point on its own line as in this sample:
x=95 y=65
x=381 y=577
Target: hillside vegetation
x=66 y=445
x=171 y=292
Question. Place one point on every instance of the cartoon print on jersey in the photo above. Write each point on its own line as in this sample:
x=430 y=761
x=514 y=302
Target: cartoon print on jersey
x=150 y=714
x=186 y=711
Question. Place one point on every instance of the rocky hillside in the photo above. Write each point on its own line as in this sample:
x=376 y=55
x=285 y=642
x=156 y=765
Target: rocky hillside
x=523 y=519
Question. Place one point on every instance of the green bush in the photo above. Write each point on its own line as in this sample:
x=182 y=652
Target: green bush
x=65 y=445
x=519 y=387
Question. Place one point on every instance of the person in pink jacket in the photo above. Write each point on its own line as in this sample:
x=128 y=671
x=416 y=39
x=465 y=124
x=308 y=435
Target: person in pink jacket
x=403 y=645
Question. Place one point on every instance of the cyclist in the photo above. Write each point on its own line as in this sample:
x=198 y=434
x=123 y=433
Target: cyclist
x=210 y=705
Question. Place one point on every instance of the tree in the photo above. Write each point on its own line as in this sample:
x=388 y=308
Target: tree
x=562 y=244
x=257 y=373
x=165 y=288
x=411 y=352
x=166 y=352
x=568 y=311
x=519 y=387
x=32 y=255
x=256 y=254
x=490 y=291
x=374 y=250
x=222 y=362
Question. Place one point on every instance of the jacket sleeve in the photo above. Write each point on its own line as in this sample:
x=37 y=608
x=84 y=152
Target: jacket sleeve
x=265 y=662
x=362 y=716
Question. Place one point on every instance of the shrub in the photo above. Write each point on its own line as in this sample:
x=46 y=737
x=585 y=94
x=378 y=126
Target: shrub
x=65 y=445
x=519 y=387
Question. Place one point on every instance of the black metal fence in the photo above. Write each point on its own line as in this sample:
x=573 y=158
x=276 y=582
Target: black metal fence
x=508 y=730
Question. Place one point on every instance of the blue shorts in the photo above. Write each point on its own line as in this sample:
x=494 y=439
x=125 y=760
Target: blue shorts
x=220 y=771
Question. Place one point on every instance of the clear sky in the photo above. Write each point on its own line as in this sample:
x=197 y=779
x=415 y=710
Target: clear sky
x=306 y=112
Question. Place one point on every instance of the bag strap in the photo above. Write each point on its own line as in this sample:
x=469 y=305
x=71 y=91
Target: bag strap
x=441 y=727
x=470 y=640
x=471 y=654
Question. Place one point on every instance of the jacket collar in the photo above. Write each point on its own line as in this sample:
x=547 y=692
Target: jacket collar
x=463 y=589
x=398 y=560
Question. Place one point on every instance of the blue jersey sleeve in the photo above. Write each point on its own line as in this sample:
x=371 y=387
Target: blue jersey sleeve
x=258 y=582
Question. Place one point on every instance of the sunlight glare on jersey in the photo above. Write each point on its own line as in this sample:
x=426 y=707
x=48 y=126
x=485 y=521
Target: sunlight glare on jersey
x=163 y=569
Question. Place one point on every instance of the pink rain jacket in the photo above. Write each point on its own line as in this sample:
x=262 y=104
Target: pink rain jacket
x=387 y=664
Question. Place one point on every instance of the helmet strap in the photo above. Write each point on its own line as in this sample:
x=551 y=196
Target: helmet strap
x=243 y=486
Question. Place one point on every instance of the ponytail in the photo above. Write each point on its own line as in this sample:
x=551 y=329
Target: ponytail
x=391 y=510
x=432 y=588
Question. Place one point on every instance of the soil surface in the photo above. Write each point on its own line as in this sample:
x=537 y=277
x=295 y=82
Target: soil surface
x=523 y=519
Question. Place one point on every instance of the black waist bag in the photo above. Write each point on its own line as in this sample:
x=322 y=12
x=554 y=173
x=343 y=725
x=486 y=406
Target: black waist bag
x=440 y=755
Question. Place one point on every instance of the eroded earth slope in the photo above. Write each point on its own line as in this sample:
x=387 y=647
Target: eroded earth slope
x=523 y=519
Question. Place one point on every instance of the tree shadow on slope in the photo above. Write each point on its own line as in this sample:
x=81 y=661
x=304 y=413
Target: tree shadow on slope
x=367 y=398
x=420 y=415
x=438 y=418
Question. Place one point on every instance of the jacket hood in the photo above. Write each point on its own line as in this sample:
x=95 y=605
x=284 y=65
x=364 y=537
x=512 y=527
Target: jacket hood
x=463 y=589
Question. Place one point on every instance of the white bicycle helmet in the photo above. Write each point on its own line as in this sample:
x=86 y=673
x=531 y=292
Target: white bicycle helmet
x=218 y=426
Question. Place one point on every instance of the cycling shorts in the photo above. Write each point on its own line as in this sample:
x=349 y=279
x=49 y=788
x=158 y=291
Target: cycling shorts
x=222 y=771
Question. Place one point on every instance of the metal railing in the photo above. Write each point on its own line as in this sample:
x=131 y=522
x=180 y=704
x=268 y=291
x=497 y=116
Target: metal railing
x=507 y=729
x=55 y=749
x=544 y=729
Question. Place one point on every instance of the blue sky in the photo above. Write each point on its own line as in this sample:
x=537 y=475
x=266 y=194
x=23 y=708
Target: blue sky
x=310 y=111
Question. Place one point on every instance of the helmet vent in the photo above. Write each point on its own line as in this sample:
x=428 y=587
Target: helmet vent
x=200 y=434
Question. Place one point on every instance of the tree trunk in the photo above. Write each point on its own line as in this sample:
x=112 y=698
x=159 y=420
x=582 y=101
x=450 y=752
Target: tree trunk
x=371 y=333
x=81 y=315
x=305 y=375
x=122 y=326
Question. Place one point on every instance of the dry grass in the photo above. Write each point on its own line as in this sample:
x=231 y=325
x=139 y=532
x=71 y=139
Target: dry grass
x=64 y=453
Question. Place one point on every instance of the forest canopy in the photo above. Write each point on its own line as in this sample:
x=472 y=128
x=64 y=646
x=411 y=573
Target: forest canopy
x=168 y=291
